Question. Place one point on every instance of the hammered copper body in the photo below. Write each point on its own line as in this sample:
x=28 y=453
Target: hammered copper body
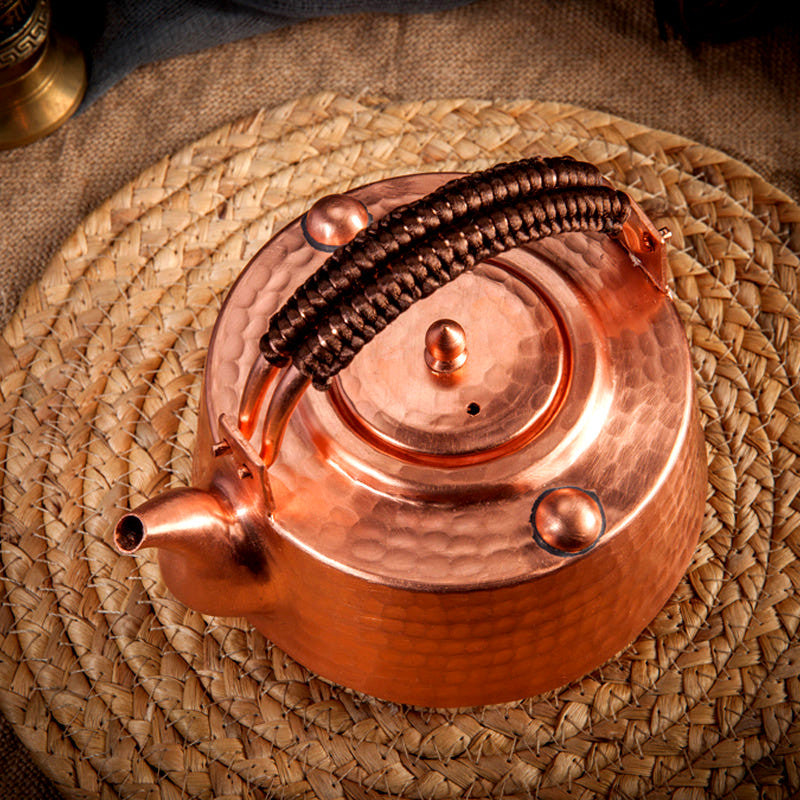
x=457 y=537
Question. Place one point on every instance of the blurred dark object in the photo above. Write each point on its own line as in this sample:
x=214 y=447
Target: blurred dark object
x=120 y=35
x=718 y=21
x=42 y=74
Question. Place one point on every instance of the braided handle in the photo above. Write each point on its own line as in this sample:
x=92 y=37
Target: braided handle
x=419 y=247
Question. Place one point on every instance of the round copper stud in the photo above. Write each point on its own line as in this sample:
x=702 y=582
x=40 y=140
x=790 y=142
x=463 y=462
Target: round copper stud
x=445 y=346
x=567 y=520
x=333 y=221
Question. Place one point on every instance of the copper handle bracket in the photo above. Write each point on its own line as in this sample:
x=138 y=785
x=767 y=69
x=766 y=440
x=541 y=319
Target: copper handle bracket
x=234 y=433
x=250 y=467
x=646 y=246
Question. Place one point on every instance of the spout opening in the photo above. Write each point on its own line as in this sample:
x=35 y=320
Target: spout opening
x=129 y=533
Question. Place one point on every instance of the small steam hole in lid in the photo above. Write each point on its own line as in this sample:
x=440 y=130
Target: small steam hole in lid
x=473 y=409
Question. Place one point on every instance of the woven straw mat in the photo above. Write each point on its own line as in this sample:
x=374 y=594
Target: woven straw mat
x=119 y=690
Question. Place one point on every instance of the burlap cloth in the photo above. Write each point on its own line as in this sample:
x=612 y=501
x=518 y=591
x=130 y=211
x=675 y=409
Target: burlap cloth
x=739 y=738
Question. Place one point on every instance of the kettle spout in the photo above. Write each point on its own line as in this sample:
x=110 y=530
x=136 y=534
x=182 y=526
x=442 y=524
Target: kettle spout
x=211 y=558
x=178 y=520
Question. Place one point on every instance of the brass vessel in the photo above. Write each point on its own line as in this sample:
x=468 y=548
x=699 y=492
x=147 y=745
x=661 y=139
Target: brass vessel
x=42 y=74
x=496 y=495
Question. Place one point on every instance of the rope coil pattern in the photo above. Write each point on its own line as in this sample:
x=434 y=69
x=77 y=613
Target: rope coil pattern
x=419 y=247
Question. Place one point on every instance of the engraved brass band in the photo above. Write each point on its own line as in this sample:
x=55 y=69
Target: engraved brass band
x=24 y=26
x=42 y=75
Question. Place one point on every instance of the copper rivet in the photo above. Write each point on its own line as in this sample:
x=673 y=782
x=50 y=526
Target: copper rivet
x=568 y=519
x=220 y=448
x=445 y=346
x=334 y=220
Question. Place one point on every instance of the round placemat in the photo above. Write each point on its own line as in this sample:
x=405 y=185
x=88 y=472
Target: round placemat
x=119 y=690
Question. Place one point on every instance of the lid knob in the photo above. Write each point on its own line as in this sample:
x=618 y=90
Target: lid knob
x=445 y=346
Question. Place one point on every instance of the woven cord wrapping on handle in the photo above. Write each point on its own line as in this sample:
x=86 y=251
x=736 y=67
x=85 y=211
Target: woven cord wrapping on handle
x=419 y=247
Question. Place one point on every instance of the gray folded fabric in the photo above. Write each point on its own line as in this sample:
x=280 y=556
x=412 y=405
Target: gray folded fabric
x=119 y=35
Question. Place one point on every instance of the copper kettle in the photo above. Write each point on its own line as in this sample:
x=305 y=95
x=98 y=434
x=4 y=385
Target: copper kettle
x=489 y=500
